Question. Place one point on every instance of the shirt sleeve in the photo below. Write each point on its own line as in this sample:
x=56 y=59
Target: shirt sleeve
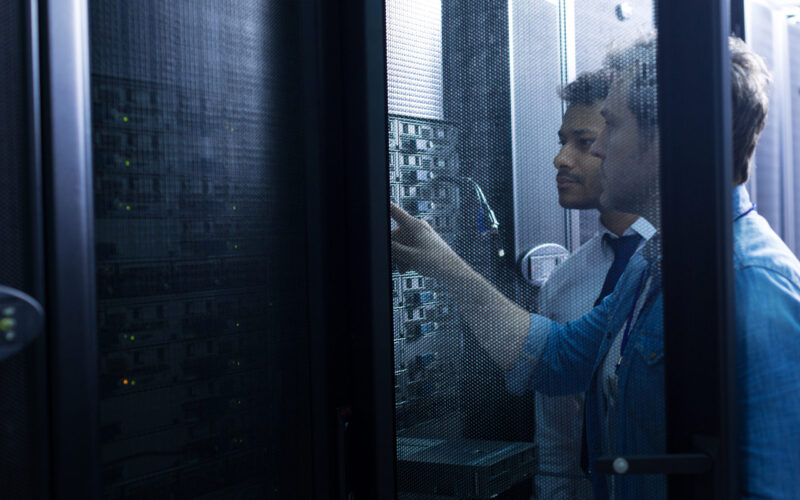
x=558 y=359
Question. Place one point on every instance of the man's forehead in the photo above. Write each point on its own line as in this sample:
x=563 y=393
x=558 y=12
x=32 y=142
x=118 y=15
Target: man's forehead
x=582 y=119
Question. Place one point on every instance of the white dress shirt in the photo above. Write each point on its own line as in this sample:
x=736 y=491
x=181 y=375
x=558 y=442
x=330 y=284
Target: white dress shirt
x=569 y=293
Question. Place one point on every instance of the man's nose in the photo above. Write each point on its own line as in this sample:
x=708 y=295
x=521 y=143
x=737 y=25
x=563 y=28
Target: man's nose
x=598 y=147
x=563 y=159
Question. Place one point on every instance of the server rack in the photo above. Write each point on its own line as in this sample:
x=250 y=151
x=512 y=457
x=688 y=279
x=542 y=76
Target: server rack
x=69 y=209
x=428 y=347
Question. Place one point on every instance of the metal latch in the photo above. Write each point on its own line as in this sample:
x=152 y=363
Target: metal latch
x=676 y=463
x=670 y=463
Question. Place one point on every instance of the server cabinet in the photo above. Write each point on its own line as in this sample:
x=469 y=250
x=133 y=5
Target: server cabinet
x=178 y=249
x=499 y=107
x=223 y=317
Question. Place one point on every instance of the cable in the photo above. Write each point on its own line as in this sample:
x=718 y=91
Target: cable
x=486 y=220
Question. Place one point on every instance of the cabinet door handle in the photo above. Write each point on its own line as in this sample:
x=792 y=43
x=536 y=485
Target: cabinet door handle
x=21 y=321
x=676 y=463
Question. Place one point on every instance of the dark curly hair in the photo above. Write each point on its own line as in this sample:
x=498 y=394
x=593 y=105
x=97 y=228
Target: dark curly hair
x=587 y=89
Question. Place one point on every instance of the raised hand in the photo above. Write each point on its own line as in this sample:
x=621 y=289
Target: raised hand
x=416 y=246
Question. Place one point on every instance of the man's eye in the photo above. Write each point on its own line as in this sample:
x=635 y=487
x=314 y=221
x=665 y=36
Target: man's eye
x=585 y=143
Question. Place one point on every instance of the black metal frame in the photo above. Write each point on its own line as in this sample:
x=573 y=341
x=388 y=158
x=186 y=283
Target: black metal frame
x=350 y=247
x=69 y=249
x=737 y=18
x=37 y=355
x=696 y=178
x=320 y=344
x=696 y=144
x=349 y=275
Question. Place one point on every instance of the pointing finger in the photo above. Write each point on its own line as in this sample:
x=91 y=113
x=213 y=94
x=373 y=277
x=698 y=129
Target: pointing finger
x=401 y=216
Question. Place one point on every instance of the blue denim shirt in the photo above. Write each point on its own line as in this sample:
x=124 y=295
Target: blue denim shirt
x=767 y=287
x=562 y=359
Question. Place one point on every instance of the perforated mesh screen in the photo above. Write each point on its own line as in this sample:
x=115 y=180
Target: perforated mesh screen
x=200 y=248
x=19 y=469
x=497 y=244
x=13 y=147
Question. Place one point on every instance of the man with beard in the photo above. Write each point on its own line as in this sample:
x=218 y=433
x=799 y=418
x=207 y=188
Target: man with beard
x=616 y=352
x=580 y=282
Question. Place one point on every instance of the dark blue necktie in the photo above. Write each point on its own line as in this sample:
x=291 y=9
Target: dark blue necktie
x=623 y=248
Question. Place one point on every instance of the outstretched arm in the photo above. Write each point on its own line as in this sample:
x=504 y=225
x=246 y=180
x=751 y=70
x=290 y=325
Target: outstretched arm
x=497 y=322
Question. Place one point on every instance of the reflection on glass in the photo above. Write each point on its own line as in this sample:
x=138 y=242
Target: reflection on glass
x=491 y=400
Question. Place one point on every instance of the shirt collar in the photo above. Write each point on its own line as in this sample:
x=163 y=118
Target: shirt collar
x=644 y=228
x=651 y=251
x=741 y=201
x=640 y=227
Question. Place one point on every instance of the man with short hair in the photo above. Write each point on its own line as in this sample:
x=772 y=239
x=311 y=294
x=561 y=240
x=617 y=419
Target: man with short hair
x=616 y=352
x=580 y=282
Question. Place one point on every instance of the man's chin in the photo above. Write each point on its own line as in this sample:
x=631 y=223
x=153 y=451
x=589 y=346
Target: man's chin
x=576 y=204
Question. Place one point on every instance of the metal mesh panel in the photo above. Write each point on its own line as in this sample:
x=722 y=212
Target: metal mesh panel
x=13 y=147
x=200 y=253
x=18 y=439
x=462 y=431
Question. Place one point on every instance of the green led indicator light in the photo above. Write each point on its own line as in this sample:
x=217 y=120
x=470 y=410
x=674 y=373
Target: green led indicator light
x=133 y=338
x=133 y=382
x=127 y=163
x=235 y=246
x=125 y=119
x=234 y=207
x=128 y=208
x=237 y=323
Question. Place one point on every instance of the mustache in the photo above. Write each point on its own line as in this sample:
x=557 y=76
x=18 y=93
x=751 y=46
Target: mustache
x=572 y=177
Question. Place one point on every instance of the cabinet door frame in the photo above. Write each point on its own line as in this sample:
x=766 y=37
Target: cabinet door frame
x=696 y=140
x=696 y=143
x=69 y=249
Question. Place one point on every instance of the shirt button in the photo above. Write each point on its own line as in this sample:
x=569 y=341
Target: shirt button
x=608 y=335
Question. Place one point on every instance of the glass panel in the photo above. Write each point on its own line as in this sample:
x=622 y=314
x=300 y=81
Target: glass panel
x=200 y=257
x=533 y=163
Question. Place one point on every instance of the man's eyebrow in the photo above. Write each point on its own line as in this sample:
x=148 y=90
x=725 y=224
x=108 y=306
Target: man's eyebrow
x=583 y=131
